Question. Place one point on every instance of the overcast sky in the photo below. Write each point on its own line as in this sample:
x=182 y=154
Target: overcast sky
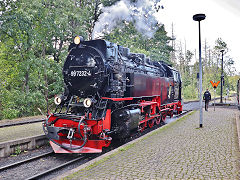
x=222 y=20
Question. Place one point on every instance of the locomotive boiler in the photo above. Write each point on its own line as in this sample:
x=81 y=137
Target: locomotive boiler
x=110 y=93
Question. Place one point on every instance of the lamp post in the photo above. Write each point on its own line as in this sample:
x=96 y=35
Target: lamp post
x=200 y=17
x=222 y=76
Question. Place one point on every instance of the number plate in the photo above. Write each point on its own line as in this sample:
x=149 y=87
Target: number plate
x=83 y=73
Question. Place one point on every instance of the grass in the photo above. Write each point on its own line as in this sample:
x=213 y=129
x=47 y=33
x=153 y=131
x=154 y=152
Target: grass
x=17 y=151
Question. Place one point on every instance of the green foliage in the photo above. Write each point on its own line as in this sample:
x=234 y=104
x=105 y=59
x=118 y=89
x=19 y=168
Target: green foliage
x=190 y=92
x=18 y=103
x=33 y=44
x=211 y=71
x=17 y=151
x=220 y=45
x=233 y=83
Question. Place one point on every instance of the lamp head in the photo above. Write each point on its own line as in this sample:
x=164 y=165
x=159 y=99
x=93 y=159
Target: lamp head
x=199 y=17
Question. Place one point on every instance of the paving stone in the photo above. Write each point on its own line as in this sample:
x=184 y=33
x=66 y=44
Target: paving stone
x=180 y=151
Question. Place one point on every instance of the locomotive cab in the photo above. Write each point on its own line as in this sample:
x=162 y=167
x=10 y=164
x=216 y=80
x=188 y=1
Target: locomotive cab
x=177 y=85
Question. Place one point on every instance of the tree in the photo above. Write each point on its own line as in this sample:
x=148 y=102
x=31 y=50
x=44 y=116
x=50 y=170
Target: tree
x=33 y=38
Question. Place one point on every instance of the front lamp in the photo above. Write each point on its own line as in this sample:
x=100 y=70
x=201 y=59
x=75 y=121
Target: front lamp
x=57 y=100
x=87 y=102
x=78 y=40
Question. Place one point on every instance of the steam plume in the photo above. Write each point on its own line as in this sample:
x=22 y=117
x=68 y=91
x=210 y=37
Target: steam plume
x=141 y=14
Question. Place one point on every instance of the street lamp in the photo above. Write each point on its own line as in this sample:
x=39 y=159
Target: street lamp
x=222 y=76
x=200 y=17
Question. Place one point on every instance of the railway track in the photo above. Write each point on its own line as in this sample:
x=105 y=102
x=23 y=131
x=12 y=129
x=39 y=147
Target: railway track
x=183 y=113
x=9 y=166
x=40 y=166
x=42 y=174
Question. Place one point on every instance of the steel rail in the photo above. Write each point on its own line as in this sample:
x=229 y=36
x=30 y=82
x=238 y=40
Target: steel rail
x=37 y=176
x=184 y=112
x=25 y=161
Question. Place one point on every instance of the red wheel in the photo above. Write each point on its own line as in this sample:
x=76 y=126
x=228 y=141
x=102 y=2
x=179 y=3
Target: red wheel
x=141 y=127
x=164 y=117
x=150 y=123
x=158 y=120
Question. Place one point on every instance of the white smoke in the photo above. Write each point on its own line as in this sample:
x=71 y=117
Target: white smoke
x=142 y=13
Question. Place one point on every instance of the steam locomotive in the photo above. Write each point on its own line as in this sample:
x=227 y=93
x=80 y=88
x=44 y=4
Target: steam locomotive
x=110 y=93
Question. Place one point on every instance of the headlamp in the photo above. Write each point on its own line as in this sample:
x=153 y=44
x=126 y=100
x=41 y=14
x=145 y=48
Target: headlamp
x=57 y=100
x=78 y=40
x=87 y=102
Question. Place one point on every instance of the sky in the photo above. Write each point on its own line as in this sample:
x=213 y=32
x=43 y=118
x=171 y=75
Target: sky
x=222 y=21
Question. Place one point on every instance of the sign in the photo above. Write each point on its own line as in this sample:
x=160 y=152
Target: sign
x=214 y=84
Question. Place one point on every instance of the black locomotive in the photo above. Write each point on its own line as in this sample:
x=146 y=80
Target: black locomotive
x=109 y=92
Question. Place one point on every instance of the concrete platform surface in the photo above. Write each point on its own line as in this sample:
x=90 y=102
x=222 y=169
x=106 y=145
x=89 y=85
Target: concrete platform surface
x=180 y=150
x=22 y=131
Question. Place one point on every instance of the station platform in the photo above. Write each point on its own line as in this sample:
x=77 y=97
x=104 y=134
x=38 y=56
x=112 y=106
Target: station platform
x=20 y=131
x=179 y=150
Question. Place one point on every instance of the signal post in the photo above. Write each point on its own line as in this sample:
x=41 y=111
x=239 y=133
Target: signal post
x=214 y=85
